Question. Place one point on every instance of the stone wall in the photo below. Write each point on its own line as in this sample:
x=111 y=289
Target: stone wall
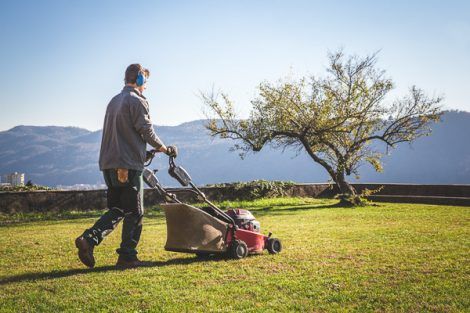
x=41 y=201
x=38 y=201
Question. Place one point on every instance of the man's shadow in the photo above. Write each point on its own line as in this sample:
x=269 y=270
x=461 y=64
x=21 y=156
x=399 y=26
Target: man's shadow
x=109 y=268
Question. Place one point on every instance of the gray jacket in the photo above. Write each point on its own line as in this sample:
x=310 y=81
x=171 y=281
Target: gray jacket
x=126 y=131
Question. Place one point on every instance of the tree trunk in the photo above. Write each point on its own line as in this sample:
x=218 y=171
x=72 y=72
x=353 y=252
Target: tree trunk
x=348 y=194
x=344 y=186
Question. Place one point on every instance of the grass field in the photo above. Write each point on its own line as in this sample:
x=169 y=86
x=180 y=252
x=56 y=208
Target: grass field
x=388 y=257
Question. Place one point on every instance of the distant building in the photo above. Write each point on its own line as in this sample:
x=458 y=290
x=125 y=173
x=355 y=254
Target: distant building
x=14 y=179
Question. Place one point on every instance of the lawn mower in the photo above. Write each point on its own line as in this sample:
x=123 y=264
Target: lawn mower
x=208 y=230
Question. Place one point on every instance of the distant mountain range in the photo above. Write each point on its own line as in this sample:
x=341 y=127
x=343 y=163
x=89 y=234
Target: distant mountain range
x=54 y=155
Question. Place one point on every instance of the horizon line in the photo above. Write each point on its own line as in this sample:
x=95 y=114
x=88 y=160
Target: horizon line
x=162 y=125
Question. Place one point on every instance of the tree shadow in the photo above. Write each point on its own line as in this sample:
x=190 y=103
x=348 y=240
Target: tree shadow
x=274 y=210
x=54 y=217
x=102 y=269
x=152 y=213
x=49 y=217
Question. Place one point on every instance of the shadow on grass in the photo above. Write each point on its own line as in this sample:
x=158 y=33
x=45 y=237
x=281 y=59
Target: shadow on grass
x=51 y=217
x=102 y=269
x=18 y=219
x=281 y=210
x=153 y=213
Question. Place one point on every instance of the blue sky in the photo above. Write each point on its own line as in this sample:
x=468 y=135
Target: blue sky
x=63 y=60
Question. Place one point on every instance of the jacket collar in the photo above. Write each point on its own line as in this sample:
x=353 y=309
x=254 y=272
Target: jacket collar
x=132 y=89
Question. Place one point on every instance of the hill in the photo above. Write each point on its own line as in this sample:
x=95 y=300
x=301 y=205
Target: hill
x=68 y=155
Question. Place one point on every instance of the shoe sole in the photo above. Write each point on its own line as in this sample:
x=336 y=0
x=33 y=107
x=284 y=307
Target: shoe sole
x=125 y=266
x=83 y=253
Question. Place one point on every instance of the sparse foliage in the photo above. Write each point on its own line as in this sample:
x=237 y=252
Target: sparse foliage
x=334 y=119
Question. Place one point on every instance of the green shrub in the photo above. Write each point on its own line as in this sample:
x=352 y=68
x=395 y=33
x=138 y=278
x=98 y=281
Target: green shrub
x=27 y=187
x=257 y=189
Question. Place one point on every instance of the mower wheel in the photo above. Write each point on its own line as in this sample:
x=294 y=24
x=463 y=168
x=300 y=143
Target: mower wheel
x=238 y=250
x=274 y=245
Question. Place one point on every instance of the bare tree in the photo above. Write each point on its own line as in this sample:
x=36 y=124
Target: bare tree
x=334 y=119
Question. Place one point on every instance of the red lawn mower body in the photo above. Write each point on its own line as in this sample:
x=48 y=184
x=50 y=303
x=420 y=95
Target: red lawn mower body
x=255 y=242
x=248 y=230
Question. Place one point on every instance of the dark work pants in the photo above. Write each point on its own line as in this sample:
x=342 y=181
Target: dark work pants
x=125 y=202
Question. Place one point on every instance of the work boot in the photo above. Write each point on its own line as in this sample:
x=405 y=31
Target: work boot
x=122 y=262
x=85 y=251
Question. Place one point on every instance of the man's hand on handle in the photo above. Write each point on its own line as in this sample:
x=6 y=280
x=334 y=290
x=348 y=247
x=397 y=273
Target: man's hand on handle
x=171 y=151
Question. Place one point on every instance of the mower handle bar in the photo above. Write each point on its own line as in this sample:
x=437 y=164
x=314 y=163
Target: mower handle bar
x=167 y=195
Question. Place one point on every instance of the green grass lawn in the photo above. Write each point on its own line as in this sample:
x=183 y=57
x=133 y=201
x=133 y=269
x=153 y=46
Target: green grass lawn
x=388 y=257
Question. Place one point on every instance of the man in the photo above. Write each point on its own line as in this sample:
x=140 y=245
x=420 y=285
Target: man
x=126 y=132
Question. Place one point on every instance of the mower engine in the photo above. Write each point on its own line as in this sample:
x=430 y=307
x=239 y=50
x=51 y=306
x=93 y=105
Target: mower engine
x=244 y=220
